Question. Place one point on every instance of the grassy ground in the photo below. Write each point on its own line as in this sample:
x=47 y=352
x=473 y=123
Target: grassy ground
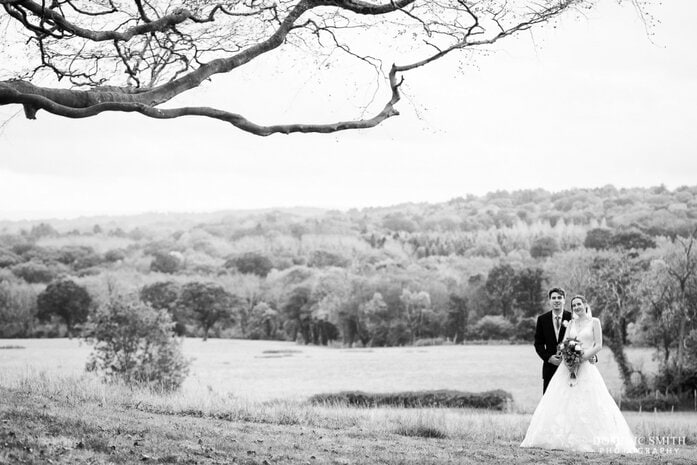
x=77 y=420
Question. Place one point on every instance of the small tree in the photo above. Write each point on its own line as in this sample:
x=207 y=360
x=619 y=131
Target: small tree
x=66 y=300
x=208 y=304
x=136 y=344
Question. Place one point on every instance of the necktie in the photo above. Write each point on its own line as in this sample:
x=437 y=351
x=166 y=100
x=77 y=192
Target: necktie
x=556 y=323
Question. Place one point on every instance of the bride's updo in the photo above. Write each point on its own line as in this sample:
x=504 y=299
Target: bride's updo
x=585 y=303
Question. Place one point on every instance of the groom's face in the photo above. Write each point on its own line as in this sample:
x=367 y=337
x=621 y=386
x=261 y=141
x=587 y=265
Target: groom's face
x=556 y=301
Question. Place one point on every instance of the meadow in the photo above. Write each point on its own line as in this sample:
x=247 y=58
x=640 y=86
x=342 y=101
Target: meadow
x=275 y=370
x=244 y=402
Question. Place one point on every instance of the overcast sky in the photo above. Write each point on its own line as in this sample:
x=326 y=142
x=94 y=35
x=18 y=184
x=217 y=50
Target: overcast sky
x=594 y=101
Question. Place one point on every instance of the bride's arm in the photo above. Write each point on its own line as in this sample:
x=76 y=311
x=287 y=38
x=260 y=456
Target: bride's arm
x=597 y=341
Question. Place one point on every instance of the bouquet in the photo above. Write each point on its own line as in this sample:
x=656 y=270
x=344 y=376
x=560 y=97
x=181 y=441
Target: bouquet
x=570 y=350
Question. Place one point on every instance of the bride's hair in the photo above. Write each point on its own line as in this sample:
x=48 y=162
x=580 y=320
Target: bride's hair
x=585 y=302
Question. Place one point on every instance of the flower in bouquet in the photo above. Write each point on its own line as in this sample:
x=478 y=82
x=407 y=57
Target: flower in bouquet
x=571 y=350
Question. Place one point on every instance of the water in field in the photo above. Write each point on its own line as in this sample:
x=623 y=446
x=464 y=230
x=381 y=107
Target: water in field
x=263 y=370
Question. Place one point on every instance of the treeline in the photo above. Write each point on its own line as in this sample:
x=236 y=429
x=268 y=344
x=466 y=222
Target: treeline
x=466 y=270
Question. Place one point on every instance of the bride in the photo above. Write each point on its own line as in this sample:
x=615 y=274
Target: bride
x=580 y=417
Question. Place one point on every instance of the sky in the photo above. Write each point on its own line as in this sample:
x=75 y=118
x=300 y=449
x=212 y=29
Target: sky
x=593 y=99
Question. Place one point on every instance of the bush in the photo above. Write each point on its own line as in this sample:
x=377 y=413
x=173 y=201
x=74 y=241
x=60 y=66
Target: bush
x=33 y=272
x=495 y=400
x=525 y=329
x=493 y=327
x=432 y=341
x=136 y=344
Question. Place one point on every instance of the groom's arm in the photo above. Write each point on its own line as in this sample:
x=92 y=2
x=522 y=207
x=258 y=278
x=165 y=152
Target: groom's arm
x=540 y=341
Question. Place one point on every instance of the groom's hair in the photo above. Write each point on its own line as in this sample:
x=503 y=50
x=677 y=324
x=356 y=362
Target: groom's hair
x=558 y=290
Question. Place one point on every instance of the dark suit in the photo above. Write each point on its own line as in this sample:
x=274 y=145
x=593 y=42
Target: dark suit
x=546 y=343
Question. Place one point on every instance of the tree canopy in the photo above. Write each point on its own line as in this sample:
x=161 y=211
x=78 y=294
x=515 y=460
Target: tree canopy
x=81 y=58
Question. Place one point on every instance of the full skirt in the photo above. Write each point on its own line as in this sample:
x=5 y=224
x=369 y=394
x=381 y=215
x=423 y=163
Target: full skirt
x=581 y=417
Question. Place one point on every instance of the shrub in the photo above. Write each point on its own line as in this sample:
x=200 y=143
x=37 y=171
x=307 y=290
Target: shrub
x=136 y=344
x=525 y=329
x=33 y=272
x=495 y=400
x=493 y=327
x=432 y=341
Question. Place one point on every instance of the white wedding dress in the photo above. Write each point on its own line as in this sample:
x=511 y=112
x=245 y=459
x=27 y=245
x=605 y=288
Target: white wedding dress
x=582 y=417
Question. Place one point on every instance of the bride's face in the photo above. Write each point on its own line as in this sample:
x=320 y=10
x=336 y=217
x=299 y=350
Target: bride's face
x=578 y=307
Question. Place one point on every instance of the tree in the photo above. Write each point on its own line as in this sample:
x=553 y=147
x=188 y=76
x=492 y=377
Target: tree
x=298 y=309
x=263 y=322
x=528 y=291
x=500 y=288
x=165 y=262
x=417 y=309
x=681 y=267
x=135 y=343
x=544 y=247
x=251 y=263
x=33 y=272
x=208 y=304
x=598 y=238
x=616 y=301
x=17 y=309
x=88 y=58
x=164 y=295
x=66 y=300
x=457 y=318
x=632 y=239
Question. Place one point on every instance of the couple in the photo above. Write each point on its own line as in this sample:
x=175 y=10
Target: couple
x=576 y=415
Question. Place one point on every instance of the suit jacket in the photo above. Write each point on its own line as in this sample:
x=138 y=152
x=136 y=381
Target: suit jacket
x=546 y=341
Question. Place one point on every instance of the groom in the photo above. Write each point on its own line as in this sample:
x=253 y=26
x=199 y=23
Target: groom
x=549 y=332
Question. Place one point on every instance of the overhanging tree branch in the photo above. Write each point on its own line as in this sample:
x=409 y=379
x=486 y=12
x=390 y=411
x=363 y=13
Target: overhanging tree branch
x=171 y=49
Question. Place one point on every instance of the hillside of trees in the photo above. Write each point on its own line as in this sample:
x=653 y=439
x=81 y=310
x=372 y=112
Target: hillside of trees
x=469 y=269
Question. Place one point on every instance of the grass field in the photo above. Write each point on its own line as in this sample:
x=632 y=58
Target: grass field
x=244 y=403
x=268 y=370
